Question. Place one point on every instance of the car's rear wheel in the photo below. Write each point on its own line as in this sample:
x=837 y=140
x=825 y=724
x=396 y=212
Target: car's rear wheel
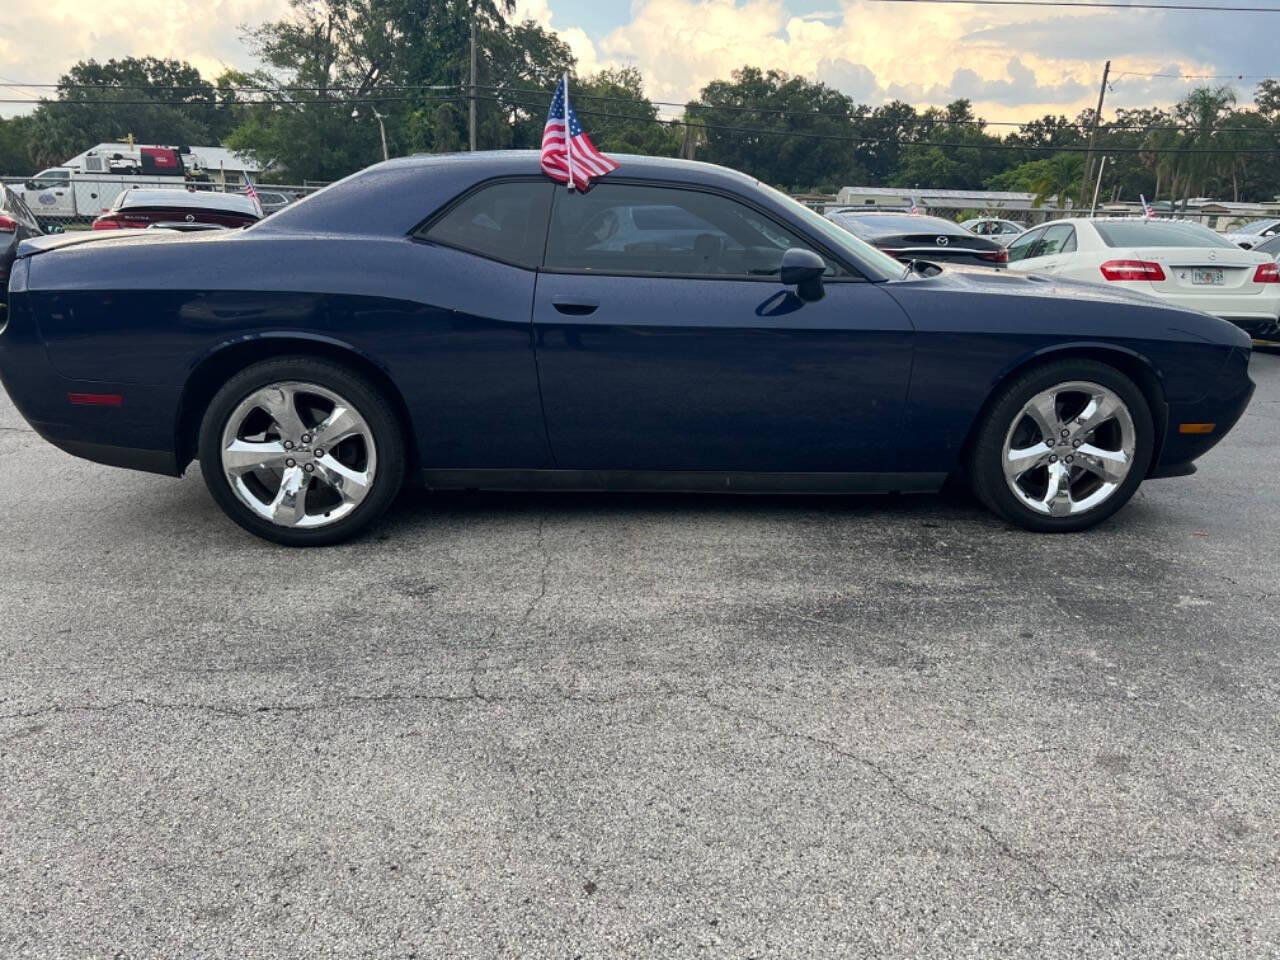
x=301 y=451
x=1063 y=447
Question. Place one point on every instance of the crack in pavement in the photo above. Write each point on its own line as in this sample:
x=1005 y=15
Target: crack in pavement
x=248 y=712
x=483 y=658
x=1003 y=846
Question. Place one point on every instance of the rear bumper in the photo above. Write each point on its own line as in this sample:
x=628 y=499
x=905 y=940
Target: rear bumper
x=1222 y=406
x=1256 y=326
x=139 y=433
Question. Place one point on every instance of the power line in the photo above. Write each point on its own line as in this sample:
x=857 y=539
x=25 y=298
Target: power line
x=1090 y=4
x=851 y=117
x=1200 y=76
x=375 y=97
x=755 y=131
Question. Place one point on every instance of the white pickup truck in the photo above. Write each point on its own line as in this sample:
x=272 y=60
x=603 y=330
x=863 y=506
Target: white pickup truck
x=67 y=193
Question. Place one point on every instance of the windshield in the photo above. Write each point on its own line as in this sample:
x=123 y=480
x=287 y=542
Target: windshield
x=877 y=265
x=1154 y=233
x=50 y=178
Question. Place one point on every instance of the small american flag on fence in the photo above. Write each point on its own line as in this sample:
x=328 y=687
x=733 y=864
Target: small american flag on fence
x=915 y=207
x=568 y=155
x=1146 y=207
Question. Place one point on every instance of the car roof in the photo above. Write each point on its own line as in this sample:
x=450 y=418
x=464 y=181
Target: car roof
x=186 y=199
x=389 y=198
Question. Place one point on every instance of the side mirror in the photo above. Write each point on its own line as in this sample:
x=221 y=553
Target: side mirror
x=803 y=269
x=31 y=185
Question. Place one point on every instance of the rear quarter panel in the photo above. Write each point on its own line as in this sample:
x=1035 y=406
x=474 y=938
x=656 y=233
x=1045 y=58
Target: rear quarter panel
x=451 y=330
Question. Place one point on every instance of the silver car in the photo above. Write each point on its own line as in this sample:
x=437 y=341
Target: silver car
x=1001 y=231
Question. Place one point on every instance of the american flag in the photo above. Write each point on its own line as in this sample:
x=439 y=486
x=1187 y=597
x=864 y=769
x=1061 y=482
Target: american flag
x=568 y=155
x=251 y=193
x=915 y=208
x=1146 y=208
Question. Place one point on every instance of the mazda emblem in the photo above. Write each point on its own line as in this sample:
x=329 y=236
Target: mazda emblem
x=943 y=241
x=191 y=218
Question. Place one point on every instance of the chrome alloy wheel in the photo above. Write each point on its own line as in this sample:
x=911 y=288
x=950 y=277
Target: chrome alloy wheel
x=298 y=454
x=1069 y=448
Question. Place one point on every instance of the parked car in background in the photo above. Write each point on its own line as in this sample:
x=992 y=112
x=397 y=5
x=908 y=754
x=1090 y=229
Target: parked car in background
x=1180 y=262
x=59 y=194
x=1002 y=231
x=909 y=237
x=273 y=200
x=1271 y=247
x=139 y=209
x=1254 y=232
x=17 y=223
x=463 y=321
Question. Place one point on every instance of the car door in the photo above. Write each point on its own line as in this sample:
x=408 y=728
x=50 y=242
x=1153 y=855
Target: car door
x=665 y=341
x=1054 y=250
x=1023 y=250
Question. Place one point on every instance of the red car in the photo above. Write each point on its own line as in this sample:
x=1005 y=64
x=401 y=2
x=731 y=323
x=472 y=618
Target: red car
x=138 y=209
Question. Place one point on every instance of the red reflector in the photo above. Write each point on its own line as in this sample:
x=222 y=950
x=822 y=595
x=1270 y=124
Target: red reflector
x=96 y=399
x=1267 y=273
x=104 y=224
x=1132 y=270
x=996 y=256
x=7 y=224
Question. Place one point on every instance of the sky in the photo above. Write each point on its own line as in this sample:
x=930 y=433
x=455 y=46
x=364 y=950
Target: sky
x=1014 y=64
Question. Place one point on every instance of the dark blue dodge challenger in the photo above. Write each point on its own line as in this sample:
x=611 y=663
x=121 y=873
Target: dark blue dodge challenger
x=465 y=322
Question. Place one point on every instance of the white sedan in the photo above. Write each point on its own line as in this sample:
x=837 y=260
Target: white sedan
x=1184 y=263
x=1002 y=231
x=1254 y=232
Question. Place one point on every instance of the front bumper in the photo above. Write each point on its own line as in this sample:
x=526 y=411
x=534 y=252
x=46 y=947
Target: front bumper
x=1222 y=406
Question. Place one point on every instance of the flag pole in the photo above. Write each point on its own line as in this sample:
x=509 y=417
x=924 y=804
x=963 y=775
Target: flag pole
x=568 y=139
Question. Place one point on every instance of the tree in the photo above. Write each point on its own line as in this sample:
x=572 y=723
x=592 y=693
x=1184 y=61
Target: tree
x=330 y=63
x=1055 y=177
x=952 y=151
x=786 y=130
x=620 y=118
x=155 y=101
x=1200 y=113
x=15 y=135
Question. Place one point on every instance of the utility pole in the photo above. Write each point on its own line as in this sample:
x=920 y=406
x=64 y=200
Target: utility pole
x=472 y=123
x=1093 y=134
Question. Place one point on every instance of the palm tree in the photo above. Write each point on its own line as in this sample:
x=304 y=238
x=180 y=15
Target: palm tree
x=1159 y=154
x=1057 y=178
x=1201 y=111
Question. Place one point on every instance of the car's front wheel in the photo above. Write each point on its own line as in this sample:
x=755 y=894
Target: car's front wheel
x=1063 y=446
x=301 y=451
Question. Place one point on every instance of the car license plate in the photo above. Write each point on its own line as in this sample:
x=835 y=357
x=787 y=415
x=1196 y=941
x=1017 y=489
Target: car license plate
x=1205 y=277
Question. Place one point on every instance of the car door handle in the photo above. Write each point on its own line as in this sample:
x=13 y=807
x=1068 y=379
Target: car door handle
x=574 y=308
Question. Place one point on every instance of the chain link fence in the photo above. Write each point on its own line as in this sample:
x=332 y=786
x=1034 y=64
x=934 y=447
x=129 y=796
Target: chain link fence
x=75 y=202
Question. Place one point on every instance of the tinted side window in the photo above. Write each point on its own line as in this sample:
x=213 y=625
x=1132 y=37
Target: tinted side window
x=1020 y=249
x=624 y=229
x=503 y=221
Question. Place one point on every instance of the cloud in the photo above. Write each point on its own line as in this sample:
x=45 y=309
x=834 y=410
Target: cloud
x=1012 y=62
x=1021 y=87
x=41 y=41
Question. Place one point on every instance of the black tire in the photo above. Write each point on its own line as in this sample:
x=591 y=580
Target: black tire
x=986 y=455
x=367 y=400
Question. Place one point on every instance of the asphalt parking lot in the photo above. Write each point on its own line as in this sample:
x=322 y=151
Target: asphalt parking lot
x=649 y=726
